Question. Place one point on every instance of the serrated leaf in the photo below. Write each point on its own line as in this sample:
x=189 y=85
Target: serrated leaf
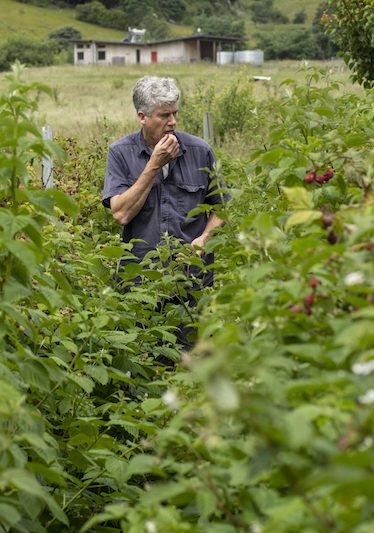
x=161 y=493
x=302 y=217
x=112 y=251
x=64 y=202
x=205 y=502
x=298 y=197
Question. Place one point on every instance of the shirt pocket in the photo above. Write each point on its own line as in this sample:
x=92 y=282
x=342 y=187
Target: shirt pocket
x=189 y=196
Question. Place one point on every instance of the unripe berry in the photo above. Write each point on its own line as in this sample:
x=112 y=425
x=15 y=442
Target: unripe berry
x=296 y=309
x=327 y=220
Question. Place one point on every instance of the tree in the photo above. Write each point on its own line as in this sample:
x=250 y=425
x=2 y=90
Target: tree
x=64 y=36
x=299 y=44
x=350 y=24
x=326 y=46
x=264 y=12
x=221 y=26
x=26 y=51
x=173 y=10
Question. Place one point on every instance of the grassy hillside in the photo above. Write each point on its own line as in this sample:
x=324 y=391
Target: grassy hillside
x=291 y=7
x=31 y=21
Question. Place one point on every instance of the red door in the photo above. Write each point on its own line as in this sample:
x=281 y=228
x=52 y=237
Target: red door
x=154 y=57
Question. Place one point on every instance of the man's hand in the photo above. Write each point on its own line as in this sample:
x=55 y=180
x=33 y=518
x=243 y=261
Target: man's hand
x=199 y=244
x=165 y=150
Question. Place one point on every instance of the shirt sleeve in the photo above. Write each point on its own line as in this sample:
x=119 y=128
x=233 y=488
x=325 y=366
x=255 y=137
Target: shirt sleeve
x=116 y=176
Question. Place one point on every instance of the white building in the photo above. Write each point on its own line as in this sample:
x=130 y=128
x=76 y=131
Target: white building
x=178 y=50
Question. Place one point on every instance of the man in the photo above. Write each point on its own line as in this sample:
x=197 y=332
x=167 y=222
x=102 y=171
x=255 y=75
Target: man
x=155 y=176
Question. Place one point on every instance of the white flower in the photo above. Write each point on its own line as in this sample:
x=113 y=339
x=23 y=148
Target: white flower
x=241 y=237
x=150 y=527
x=354 y=278
x=363 y=368
x=367 y=398
x=170 y=399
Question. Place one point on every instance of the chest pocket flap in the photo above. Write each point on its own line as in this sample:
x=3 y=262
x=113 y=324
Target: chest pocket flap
x=189 y=196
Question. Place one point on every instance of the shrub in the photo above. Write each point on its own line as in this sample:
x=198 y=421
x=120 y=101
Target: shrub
x=298 y=44
x=299 y=17
x=350 y=24
x=26 y=51
x=223 y=26
x=264 y=12
x=96 y=13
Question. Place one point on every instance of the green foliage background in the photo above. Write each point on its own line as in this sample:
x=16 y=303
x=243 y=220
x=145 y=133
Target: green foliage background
x=268 y=423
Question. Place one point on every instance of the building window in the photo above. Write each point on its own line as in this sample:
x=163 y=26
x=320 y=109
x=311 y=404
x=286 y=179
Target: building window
x=79 y=45
x=80 y=56
x=101 y=55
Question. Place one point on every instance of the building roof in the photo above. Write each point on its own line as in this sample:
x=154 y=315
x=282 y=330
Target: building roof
x=211 y=38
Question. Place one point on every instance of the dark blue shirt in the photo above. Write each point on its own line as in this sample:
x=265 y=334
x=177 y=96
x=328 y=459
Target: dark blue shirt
x=188 y=184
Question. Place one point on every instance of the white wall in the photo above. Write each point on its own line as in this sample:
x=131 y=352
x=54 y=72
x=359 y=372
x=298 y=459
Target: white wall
x=179 y=52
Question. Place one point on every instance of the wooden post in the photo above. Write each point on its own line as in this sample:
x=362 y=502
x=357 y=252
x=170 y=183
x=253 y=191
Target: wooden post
x=208 y=127
x=47 y=163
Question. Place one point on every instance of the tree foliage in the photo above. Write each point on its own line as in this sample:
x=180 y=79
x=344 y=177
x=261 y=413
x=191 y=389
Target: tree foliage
x=221 y=26
x=28 y=51
x=350 y=24
x=263 y=11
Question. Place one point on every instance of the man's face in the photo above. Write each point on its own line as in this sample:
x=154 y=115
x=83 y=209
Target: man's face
x=162 y=121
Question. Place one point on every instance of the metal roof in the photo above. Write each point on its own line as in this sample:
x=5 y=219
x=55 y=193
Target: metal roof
x=199 y=37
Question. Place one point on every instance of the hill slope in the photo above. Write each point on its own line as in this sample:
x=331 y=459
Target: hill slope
x=26 y=20
x=32 y=21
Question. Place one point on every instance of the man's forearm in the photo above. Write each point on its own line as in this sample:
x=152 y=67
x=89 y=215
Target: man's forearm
x=127 y=205
x=213 y=222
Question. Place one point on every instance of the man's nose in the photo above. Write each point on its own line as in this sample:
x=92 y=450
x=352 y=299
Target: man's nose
x=172 y=120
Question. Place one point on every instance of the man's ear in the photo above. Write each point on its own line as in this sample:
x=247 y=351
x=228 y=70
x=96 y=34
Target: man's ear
x=141 y=117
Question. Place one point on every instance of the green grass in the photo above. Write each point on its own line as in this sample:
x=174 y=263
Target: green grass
x=96 y=100
x=36 y=22
x=289 y=8
x=26 y=20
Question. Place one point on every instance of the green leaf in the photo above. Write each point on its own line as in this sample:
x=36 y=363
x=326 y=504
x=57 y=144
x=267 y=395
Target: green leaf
x=206 y=502
x=302 y=217
x=99 y=373
x=354 y=139
x=162 y=492
x=15 y=291
x=298 y=197
x=118 y=339
x=224 y=393
x=9 y=514
x=64 y=202
x=112 y=251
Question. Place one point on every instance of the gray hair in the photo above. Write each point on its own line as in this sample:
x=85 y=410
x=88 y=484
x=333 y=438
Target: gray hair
x=152 y=91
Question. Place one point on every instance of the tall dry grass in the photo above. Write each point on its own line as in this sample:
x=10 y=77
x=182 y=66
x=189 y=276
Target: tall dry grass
x=96 y=100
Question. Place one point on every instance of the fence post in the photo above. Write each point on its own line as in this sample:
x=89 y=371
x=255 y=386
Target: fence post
x=208 y=127
x=47 y=163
